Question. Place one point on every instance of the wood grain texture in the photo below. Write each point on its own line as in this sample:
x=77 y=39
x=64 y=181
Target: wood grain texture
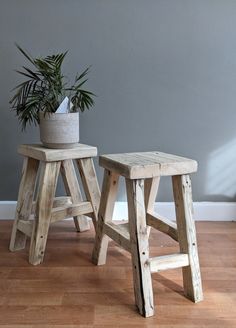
x=151 y=186
x=167 y=262
x=47 y=187
x=50 y=155
x=187 y=236
x=147 y=164
x=24 y=202
x=162 y=224
x=106 y=208
x=90 y=185
x=119 y=233
x=68 y=291
x=139 y=247
x=72 y=187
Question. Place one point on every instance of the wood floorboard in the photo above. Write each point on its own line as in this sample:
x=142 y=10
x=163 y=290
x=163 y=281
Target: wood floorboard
x=68 y=291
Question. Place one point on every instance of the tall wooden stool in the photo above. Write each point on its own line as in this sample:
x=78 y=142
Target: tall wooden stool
x=142 y=172
x=47 y=163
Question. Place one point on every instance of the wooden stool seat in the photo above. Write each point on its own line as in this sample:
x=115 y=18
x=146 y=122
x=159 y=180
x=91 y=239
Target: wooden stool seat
x=41 y=153
x=142 y=172
x=33 y=218
x=147 y=164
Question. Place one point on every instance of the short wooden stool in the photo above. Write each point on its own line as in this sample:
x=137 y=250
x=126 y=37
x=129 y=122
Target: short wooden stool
x=47 y=163
x=142 y=172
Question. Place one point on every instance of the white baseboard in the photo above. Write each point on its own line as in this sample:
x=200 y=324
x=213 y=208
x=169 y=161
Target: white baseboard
x=203 y=211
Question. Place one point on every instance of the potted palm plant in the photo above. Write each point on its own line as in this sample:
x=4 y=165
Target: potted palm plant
x=45 y=98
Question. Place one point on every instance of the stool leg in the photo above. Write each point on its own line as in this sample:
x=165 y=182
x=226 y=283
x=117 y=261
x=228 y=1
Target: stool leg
x=187 y=236
x=24 y=203
x=151 y=186
x=139 y=247
x=90 y=184
x=47 y=188
x=72 y=189
x=108 y=197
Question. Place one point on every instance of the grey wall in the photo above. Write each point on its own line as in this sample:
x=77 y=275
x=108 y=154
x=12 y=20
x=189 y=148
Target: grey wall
x=164 y=72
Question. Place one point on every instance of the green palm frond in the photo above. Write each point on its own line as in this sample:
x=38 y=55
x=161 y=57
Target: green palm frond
x=45 y=88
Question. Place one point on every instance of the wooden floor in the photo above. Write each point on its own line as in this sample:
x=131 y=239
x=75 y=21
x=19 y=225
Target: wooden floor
x=67 y=290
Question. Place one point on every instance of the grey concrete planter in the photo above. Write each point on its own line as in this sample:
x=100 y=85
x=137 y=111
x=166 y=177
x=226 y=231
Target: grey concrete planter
x=59 y=130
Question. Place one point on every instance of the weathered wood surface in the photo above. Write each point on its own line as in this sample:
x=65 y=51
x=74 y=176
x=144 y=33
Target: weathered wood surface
x=90 y=185
x=50 y=155
x=167 y=262
x=24 y=203
x=187 y=236
x=151 y=186
x=47 y=208
x=72 y=187
x=108 y=198
x=147 y=164
x=119 y=233
x=162 y=224
x=26 y=227
x=139 y=245
x=57 y=202
x=47 y=187
x=68 y=211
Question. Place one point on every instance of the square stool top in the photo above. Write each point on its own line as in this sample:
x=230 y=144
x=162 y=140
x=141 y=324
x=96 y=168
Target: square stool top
x=147 y=164
x=41 y=153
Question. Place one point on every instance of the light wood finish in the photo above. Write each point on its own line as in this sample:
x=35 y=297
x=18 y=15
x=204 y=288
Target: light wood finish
x=90 y=184
x=147 y=164
x=47 y=188
x=108 y=198
x=68 y=292
x=167 y=262
x=47 y=208
x=51 y=155
x=151 y=186
x=73 y=189
x=162 y=224
x=26 y=227
x=119 y=233
x=187 y=236
x=139 y=247
x=60 y=213
x=142 y=172
x=24 y=203
x=57 y=202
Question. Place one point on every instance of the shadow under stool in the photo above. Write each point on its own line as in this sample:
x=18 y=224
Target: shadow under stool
x=142 y=172
x=33 y=218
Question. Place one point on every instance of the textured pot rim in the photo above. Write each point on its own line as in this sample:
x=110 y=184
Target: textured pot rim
x=55 y=114
x=66 y=117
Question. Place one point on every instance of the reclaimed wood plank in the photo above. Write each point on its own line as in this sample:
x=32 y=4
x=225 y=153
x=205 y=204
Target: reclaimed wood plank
x=72 y=187
x=90 y=184
x=47 y=188
x=187 y=236
x=139 y=247
x=24 y=203
x=108 y=198
x=166 y=262
x=42 y=153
